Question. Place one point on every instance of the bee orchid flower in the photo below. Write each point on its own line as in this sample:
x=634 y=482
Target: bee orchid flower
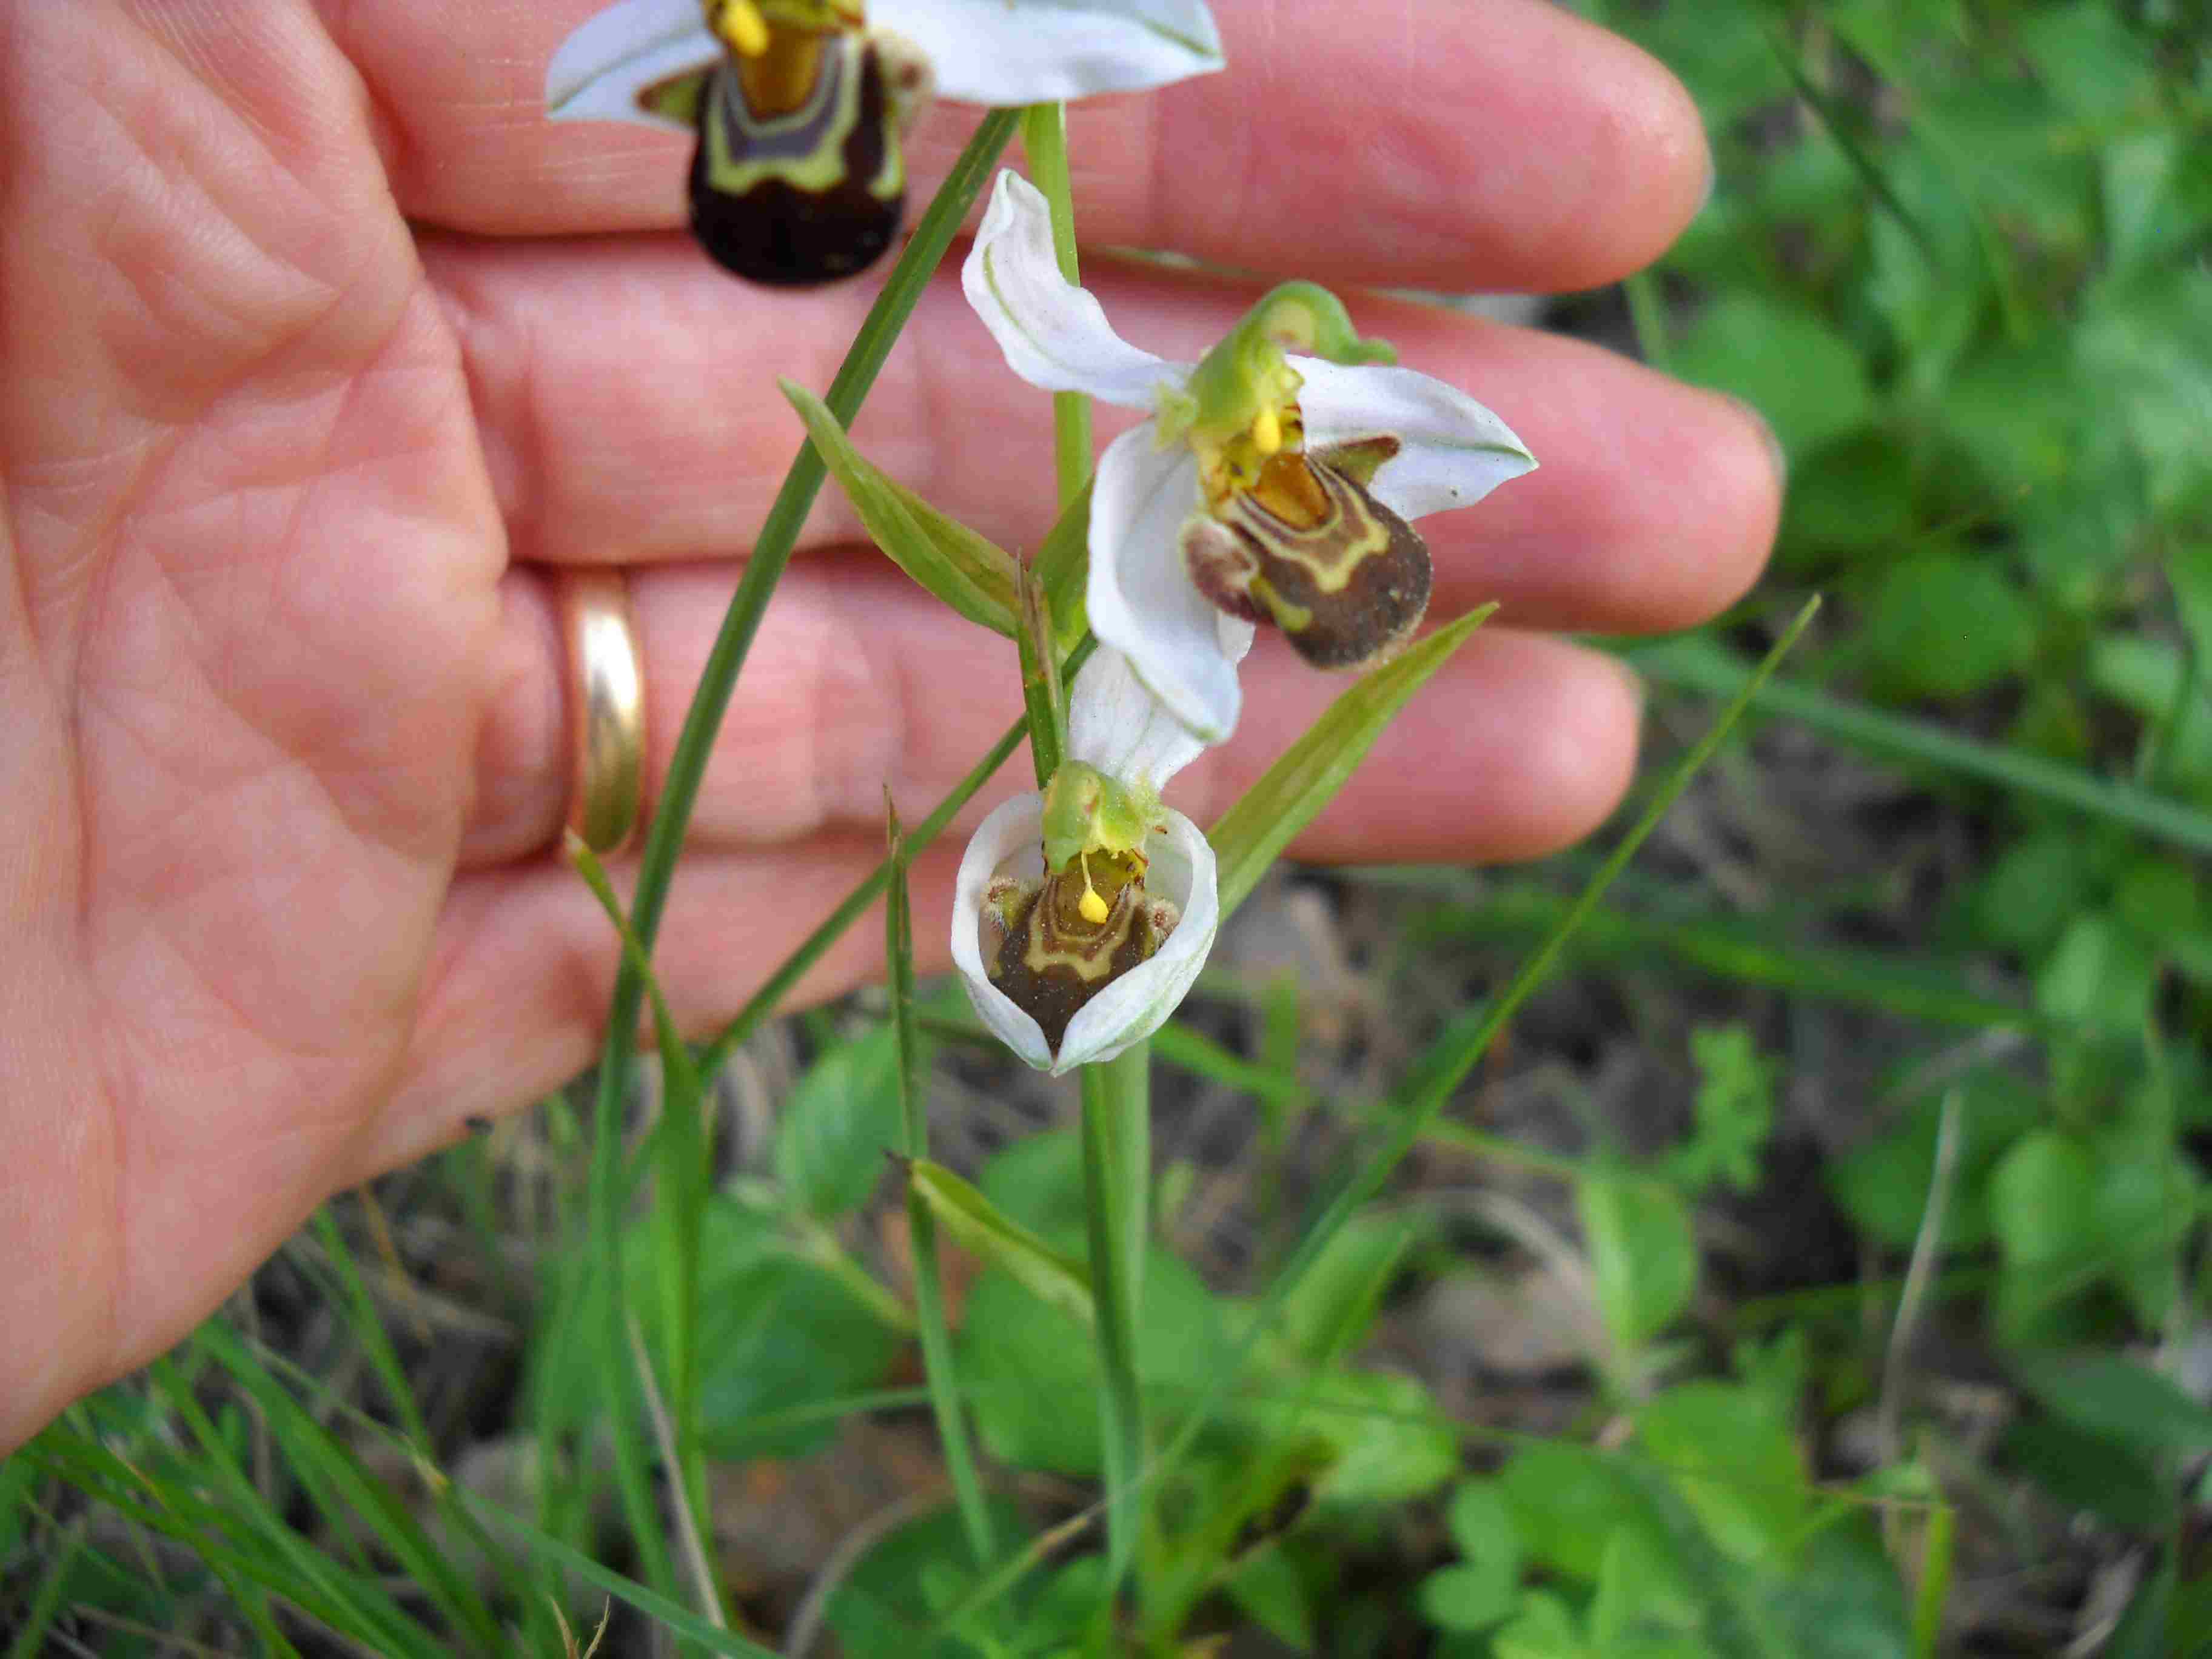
x=1082 y=915
x=1274 y=481
x=800 y=106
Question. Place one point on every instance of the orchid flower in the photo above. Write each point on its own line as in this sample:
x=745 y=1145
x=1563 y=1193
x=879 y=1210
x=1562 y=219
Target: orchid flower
x=1265 y=487
x=799 y=106
x=1082 y=915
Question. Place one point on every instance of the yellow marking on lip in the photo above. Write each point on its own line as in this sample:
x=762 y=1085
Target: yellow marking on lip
x=1268 y=431
x=742 y=27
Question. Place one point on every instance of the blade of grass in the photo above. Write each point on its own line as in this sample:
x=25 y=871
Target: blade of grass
x=921 y=1226
x=1457 y=1051
x=351 y=1493
x=1934 y=1589
x=46 y=1600
x=318 y=1583
x=563 y=1558
x=376 y=1342
x=98 y=1473
x=771 y=552
x=687 y=1521
x=1699 y=664
x=683 y=1156
x=1252 y=834
x=1730 y=947
x=1116 y=1179
x=1191 y=1050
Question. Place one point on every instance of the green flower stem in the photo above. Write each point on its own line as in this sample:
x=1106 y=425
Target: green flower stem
x=772 y=549
x=1116 y=1095
x=922 y=1226
x=1117 y=1177
x=1044 y=136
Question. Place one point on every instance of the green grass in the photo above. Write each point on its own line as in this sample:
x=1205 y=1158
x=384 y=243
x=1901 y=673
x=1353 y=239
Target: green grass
x=1917 y=975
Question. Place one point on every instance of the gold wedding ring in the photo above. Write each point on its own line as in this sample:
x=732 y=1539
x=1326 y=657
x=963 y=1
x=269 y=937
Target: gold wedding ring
x=606 y=688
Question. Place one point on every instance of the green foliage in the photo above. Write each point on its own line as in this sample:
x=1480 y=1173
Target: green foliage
x=840 y=1124
x=1642 y=1255
x=1735 y=1112
x=1704 y=1538
x=779 y=1329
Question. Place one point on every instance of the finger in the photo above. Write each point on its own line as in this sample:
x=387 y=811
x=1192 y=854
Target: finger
x=858 y=679
x=607 y=379
x=1510 y=145
x=517 y=997
x=1520 y=744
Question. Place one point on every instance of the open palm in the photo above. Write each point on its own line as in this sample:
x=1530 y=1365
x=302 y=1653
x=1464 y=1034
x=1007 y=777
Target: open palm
x=316 y=351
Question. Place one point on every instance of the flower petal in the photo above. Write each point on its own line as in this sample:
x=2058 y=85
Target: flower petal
x=1011 y=841
x=1029 y=51
x=1138 y=1003
x=1142 y=601
x=1053 y=333
x=1115 y=724
x=598 y=70
x=1453 y=451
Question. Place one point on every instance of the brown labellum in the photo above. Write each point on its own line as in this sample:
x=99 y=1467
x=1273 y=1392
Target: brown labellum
x=798 y=176
x=1050 y=961
x=1309 y=549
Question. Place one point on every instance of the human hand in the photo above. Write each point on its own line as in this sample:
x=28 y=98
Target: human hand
x=317 y=354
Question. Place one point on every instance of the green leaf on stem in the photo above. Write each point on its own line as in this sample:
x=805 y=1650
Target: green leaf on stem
x=969 y=573
x=985 y=1230
x=1251 y=835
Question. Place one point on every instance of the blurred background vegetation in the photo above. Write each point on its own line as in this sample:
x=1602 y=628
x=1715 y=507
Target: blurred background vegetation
x=1817 y=1268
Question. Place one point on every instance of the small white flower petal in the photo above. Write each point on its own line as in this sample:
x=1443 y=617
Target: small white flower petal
x=598 y=70
x=1055 y=334
x=1011 y=841
x=1142 y=601
x=1453 y=451
x=1182 y=870
x=1115 y=724
x=1138 y=1003
x=1030 y=52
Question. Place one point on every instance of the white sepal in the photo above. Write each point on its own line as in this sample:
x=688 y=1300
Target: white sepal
x=1142 y=601
x=1010 y=843
x=1031 y=52
x=599 y=71
x=1115 y=724
x=1055 y=334
x=1453 y=452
